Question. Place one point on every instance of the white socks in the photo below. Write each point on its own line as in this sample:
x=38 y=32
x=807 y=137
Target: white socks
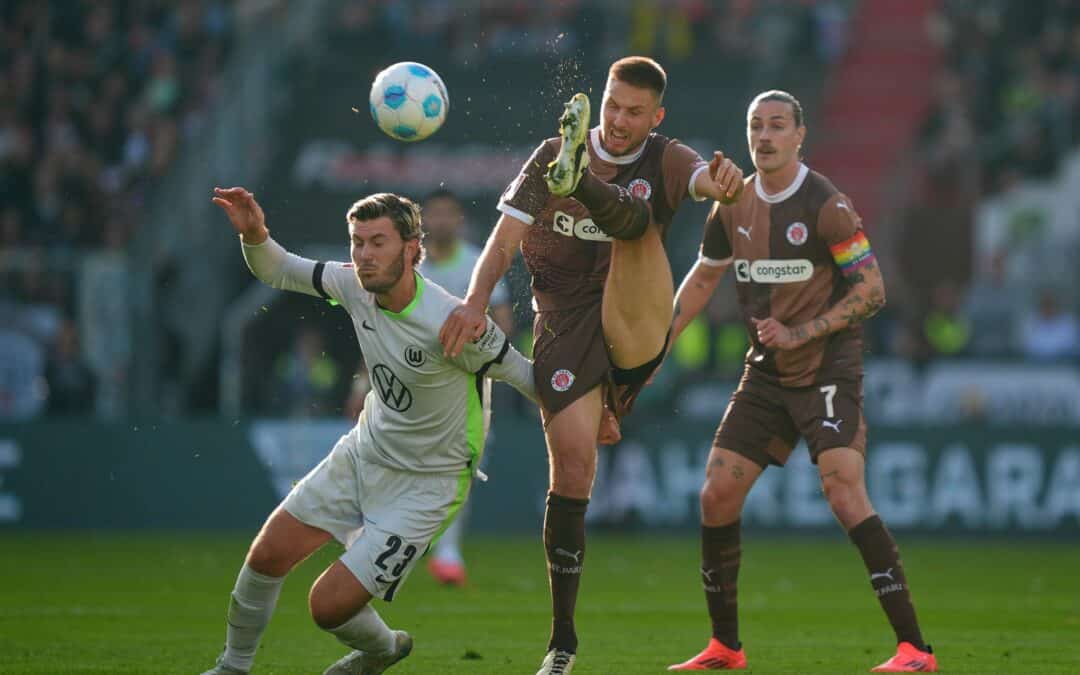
x=252 y=604
x=366 y=631
x=250 y=607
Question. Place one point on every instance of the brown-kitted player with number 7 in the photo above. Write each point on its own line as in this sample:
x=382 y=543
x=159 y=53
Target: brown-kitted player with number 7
x=806 y=278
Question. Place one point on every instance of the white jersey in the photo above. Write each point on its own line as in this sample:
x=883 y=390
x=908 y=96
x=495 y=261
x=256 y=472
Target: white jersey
x=455 y=272
x=425 y=412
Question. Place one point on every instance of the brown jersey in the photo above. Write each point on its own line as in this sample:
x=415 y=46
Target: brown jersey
x=566 y=253
x=778 y=246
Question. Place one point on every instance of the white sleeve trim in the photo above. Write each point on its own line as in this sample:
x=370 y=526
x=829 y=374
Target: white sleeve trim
x=693 y=178
x=515 y=370
x=713 y=262
x=517 y=213
x=276 y=267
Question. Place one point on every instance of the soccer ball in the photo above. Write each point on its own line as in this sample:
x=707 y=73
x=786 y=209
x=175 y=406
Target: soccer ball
x=408 y=101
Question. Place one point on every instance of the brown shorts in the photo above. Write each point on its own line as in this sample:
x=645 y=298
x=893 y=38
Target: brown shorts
x=764 y=420
x=570 y=358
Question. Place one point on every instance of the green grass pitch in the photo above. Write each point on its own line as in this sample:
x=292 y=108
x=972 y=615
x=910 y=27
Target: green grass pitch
x=142 y=603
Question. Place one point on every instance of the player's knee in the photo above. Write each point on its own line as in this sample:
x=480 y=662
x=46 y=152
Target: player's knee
x=265 y=557
x=572 y=473
x=836 y=491
x=847 y=499
x=720 y=501
x=575 y=486
x=327 y=608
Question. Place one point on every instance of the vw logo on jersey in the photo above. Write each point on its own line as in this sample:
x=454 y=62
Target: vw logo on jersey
x=797 y=234
x=414 y=356
x=639 y=187
x=562 y=380
x=392 y=391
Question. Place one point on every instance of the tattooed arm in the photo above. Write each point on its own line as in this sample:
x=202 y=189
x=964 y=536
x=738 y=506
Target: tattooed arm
x=864 y=299
x=693 y=295
x=694 y=292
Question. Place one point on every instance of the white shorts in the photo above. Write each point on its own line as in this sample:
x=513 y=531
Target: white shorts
x=385 y=518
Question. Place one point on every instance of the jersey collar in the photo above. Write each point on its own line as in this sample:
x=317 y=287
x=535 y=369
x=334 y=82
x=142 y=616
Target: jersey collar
x=594 y=138
x=420 y=283
x=786 y=192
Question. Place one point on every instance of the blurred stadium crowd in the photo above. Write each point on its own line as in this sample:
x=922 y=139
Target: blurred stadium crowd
x=1005 y=123
x=97 y=97
x=672 y=30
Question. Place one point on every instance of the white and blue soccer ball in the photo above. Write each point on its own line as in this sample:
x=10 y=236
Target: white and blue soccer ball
x=409 y=101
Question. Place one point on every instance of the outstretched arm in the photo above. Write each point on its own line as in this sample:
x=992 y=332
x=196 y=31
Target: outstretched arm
x=267 y=259
x=723 y=181
x=244 y=213
x=492 y=355
x=516 y=370
x=467 y=322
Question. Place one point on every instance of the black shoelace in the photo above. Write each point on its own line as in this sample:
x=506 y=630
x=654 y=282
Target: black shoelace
x=560 y=662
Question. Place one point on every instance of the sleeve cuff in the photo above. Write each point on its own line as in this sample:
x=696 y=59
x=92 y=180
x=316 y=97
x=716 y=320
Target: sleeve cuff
x=503 y=207
x=262 y=243
x=693 y=178
x=713 y=262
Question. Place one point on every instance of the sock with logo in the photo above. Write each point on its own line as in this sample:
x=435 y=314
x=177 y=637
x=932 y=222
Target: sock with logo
x=721 y=553
x=614 y=210
x=365 y=631
x=250 y=608
x=564 y=540
x=882 y=558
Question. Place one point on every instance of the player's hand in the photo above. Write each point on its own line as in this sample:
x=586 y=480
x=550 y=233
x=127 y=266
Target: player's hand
x=727 y=178
x=465 y=324
x=609 y=434
x=244 y=213
x=776 y=335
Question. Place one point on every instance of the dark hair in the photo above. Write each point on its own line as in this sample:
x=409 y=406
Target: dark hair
x=640 y=71
x=442 y=193
x=402 y=212
x=783 y=97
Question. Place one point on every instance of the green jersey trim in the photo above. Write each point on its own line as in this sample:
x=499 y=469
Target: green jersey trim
x=412 y=304
x=474 y=434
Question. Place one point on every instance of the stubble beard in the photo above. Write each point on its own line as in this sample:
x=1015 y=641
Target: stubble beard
x=393 y=275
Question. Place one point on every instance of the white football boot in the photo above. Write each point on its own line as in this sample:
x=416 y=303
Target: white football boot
x=221 y=669
x=357 y=662
x=557 y=662
x=564 y=173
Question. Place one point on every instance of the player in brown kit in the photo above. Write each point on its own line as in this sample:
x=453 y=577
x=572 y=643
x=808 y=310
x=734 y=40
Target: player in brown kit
x=805 y=278
x=589 y=211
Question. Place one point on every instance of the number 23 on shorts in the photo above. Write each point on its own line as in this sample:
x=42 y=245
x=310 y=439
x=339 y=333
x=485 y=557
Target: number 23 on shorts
x=389 y=571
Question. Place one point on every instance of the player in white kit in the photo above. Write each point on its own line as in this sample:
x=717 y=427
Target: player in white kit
x=393 y=483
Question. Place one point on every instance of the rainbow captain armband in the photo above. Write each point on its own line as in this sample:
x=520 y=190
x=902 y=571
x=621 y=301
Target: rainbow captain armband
x=852 y=254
